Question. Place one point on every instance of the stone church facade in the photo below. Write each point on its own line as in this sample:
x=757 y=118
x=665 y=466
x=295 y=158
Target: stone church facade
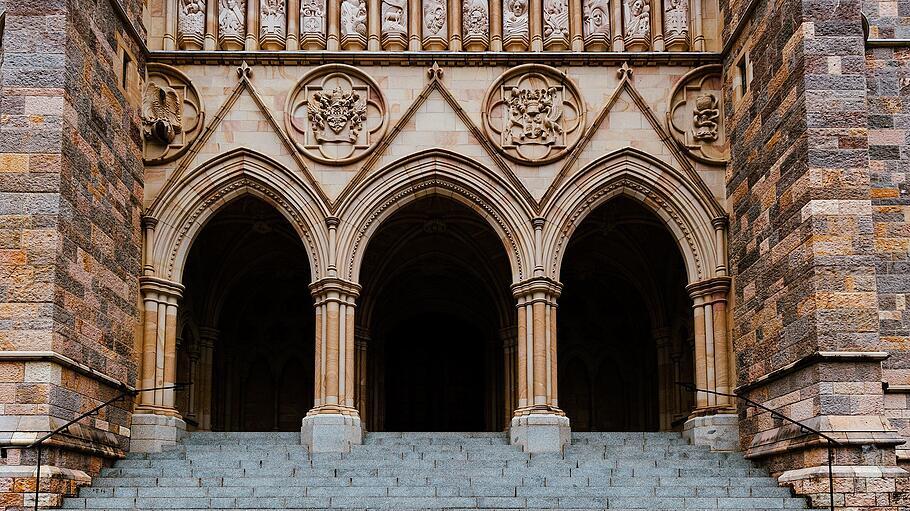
x=533 y=216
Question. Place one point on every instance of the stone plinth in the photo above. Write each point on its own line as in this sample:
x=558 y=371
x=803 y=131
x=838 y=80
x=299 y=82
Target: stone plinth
x=542 y=432
x=152 y=432
x=720 y=431
x=331 y=432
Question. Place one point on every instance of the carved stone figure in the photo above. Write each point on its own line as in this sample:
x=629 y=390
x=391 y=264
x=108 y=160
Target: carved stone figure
x=515 y=24
x=343 y=113
x=637 y=16
x=191 y=24
x=596 y=24
x=705 y=117
x=232 y=23
x=676 y=24
x=475 y=18
x=353 y=23
x=435 y=27
x=394 y=24
x=556 y=24
x=273 y=24
x=534 y=114
x=312 y=24
x=533 y=117
x=161 y=113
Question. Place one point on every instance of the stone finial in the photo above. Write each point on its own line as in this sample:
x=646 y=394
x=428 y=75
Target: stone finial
x=625 y=71
x=245 y=72
x=434 y=72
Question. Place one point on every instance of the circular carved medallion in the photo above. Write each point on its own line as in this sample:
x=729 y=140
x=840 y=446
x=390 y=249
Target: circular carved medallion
x=534 y=114
x=695 y=115
x=172 y=114
x=336 y=114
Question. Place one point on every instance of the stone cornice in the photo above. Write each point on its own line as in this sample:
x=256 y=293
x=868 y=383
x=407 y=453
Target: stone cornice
x=813 y=358
x=62 y=360
x=442 y=58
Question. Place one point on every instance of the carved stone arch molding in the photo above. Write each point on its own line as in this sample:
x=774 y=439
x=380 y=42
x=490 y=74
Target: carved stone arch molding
x=439 y=172
x=659 y=187
x=172 y=114
x=183 y=210
x=336 y=114
x=695 y=115
x=534 y=114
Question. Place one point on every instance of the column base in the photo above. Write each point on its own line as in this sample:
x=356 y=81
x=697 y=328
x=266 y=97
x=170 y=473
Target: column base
x=540 y=432
x=331 y=432
x=152 y=432
x=720 y=431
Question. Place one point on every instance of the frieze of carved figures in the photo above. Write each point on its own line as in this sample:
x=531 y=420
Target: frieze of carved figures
x=172 y=114
x=475 y=17
x=676 y=24
x=231 y=24
x=394 y=24
x=312 y=24
x=596 y=24
x=556 y=24
x=272 y=24
x=515 y=29
x=353 y=24
x=336 y=114
x=695 y=115
x=435 y=27
x=191 y=24
x=637 y=29
x=534 y=114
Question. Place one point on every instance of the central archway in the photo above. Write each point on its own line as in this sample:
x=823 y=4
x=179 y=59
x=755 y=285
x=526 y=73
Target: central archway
x=435 y=309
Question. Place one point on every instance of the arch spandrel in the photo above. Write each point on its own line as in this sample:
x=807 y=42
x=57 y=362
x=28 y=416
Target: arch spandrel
x=634 y=174
x=440 y=172
x=184 y=209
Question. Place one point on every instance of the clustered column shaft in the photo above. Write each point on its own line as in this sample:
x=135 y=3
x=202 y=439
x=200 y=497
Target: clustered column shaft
x=712 y=349
x=159 y=343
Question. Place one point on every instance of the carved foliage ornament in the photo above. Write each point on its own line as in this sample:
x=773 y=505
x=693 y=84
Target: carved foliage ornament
x=172 y=114
x=534 y=114
x=336 y=114
x=695 y=115
x=191 y=24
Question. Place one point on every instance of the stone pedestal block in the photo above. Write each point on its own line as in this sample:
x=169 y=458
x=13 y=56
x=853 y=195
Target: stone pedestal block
x=540 y=432
x=151 y=432
x=719 y=432
x=331 y=432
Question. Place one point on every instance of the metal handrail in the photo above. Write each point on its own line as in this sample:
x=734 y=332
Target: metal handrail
x=774 y=413
x=38 y=443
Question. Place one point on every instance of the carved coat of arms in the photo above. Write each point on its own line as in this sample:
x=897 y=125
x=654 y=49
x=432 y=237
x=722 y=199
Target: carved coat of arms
x=337 y=115
x=534 y=115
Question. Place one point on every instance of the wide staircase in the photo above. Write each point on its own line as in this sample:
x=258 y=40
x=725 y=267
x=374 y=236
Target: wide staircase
x=400 y=471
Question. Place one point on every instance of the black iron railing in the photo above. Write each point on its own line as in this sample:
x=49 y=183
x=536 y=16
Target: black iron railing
x=37 y=444
x=775 y=414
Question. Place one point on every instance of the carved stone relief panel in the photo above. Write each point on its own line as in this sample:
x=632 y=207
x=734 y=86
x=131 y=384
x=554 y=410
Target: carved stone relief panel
x=336 y=114
x=172 y=114
x=312 y=24
x=353 y=24
x=435 y=25
x=534 y=114
x=231 y=24
x=695 y=115
x=556 y=24
x=272 y=24
x=637 y=24
x=191 y=24
x=395 y=24
x=676 y=24
x=515 y=29
x=596 y=24
x=475 y=17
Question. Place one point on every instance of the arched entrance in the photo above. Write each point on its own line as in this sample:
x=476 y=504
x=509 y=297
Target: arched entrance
x=248 y=324
x=435 y=311
x=625 y=323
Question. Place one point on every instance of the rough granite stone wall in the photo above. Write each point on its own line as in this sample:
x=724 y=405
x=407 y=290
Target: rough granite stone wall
x=803 y=249
x=70 y=195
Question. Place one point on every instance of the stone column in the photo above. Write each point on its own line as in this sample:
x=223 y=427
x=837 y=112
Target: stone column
x=361 y=396
x=292 y=41
x=334 y=423
x=211 y=26
x=714 y=421
x=538 y=425
x=170 y=25
x=207 y=338
x=666 y=384
x=509 y=363
x=193 y=397
x=156 y=422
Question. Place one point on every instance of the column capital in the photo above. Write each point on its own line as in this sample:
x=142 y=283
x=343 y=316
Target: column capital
x=334 y=289
x=720 y=222
x=717 y=287
x=149 y=222
x=165 y=290
x=537 y=289
x=208 y=335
